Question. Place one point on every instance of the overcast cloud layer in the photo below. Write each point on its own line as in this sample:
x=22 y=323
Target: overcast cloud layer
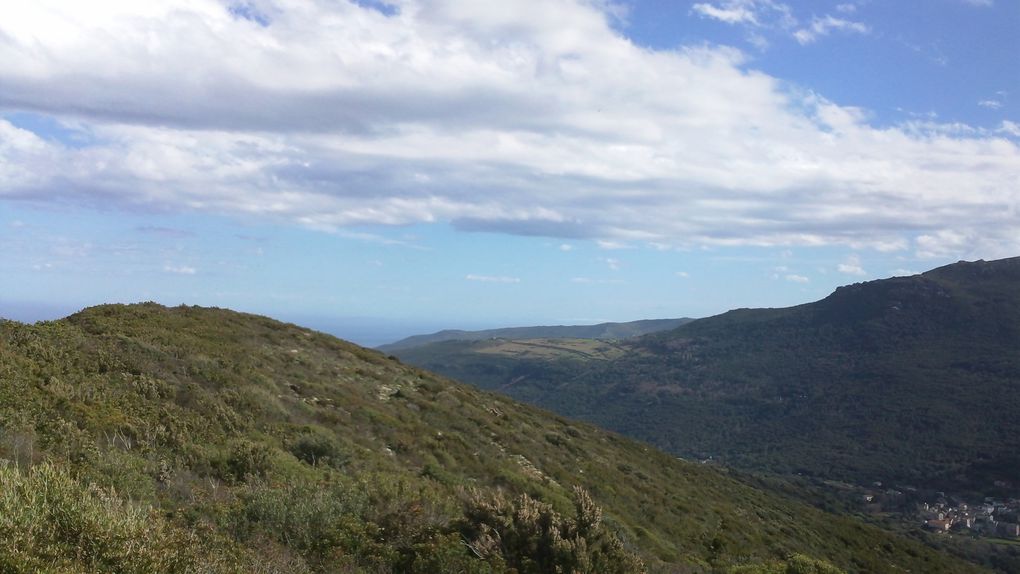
x=524 y=117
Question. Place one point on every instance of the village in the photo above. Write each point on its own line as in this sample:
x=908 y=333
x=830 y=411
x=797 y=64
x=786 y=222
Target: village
x=992 y=518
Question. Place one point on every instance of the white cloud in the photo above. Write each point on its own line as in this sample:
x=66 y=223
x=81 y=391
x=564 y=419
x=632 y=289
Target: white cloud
x=611 y=245
x=797 y=278
x=851 y=266
x=968 y=243
x=566 y=247
x=757 y=17
x=755 y=13
x=846 y=8
x=729 y=12
x=990 y=104
x=821 y=27
x=493 y=279
x=980 y=3
x=940 y=244
x=530 y=117
x=613 y=264
x=179 y=269
x=1010 y=128
x=682 y=274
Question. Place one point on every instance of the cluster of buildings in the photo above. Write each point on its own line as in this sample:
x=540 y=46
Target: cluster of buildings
x=994 y=518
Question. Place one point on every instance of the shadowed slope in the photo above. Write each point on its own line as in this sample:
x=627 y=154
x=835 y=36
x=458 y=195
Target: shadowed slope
x=914 y=379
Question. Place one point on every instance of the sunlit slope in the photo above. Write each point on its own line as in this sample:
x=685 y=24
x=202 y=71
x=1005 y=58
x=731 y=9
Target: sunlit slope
x=294 y=451
x=602 y=331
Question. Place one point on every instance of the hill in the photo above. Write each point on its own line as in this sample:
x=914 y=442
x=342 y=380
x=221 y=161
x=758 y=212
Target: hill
x=150 y=439
x=528 y=370
x=604 y=331
x=909 y=379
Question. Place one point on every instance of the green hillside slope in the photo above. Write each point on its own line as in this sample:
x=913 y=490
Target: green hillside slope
x=147 y=439
x=909 y=379
x=529 y=370
x=606 y=331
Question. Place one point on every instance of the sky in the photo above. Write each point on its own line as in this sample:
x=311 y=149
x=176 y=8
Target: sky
x=377 y=168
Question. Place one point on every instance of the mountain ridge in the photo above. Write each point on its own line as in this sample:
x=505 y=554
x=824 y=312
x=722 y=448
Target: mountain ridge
x=609 y=330
x=907 y=378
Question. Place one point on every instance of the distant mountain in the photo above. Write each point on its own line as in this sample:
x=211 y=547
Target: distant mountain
x=909 y=379
x=149 y=439
x=608 y=331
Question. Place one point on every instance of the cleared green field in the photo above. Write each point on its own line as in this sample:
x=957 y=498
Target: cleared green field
x=552 y=349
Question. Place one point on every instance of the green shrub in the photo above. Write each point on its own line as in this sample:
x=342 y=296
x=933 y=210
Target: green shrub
x=532 y=538
x=796 y=564
x=247 y=459
x=317 y=448
x=51 y=522
x=319 y=522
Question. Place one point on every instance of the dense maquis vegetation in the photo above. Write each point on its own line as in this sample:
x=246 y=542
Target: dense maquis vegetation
x=146 y=439
x=599 y=331
x=911 y=380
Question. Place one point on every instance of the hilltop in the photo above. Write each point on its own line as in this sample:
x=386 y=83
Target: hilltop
x=235 y=443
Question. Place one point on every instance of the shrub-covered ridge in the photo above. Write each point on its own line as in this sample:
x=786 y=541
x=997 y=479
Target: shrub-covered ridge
x=279 y=449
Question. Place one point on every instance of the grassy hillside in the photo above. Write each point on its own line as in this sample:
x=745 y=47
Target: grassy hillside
x=602 y=331
x=233 y=443
x=910 y=379
x=526 y=369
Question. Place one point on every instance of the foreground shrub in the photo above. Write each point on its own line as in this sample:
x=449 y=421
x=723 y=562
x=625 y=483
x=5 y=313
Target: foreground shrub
x=380 y=525
x=49 y=522
x=317 y=448
x=530 y=537
x=796 y=564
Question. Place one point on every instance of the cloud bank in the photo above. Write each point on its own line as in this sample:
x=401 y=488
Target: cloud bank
x=532 y=117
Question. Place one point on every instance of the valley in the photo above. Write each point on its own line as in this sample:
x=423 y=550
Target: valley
x=911 y=382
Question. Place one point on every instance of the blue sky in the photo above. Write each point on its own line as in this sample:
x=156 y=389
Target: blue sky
x=378 y=169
